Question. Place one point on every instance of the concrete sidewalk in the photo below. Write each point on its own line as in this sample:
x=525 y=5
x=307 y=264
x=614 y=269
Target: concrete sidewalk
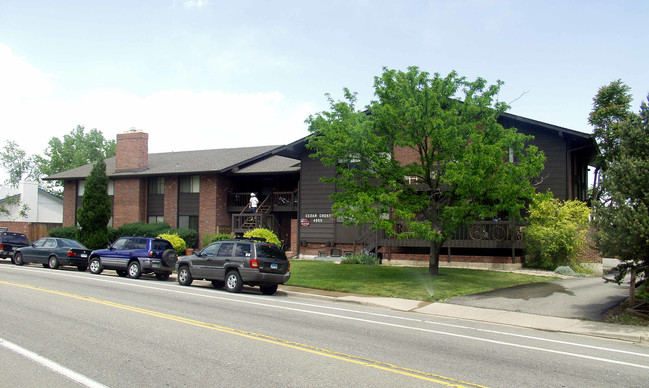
x=540 y=322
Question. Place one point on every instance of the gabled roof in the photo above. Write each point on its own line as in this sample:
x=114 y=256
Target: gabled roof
x=195 y=162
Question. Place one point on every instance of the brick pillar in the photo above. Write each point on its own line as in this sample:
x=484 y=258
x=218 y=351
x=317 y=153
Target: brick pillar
x=132 y=151
x=69 y=203
x=171 y=201
x=129 y=201
x=207 y=205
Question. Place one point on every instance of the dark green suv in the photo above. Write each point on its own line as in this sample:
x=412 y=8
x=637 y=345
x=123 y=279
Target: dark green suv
x=233 y=263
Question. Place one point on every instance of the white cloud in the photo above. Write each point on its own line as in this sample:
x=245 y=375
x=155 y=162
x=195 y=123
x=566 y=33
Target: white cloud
x=194 y=3
x=19 y=79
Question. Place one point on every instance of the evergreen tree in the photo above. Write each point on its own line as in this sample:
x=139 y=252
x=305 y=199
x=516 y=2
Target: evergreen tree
x=95 y=212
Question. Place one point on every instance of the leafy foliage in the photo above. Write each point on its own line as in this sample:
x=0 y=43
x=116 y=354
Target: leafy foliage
x=419 y=162
x=71 y=232
x=176 y=241
x=209 y=238
x=264 y=233
x=190 y=236
x=18 y=164
x=143 y=229
x=77 y=148
x=360 y=259
x=95 y=212
x=557 y=232
x=622 y=211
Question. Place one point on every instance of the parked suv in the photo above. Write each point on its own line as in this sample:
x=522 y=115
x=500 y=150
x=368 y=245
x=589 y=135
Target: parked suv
x=133 y=256
x=10 y=241
x=233 y=263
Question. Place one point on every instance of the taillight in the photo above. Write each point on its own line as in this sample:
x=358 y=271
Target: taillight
x=150 y=253
x=289 y=265
x=2 y=247
x=254 y=263
x=72 y=254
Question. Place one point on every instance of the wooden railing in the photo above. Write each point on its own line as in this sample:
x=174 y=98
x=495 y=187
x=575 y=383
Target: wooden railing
x=278 y=201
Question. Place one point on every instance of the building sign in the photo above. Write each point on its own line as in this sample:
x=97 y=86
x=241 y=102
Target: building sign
x=316 y=218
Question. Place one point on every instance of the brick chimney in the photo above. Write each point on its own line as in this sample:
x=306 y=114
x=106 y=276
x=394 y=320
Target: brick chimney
x=132 y=151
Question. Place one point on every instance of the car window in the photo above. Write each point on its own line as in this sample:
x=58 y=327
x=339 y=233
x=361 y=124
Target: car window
x=242 y=250
x=210 y=250
x=64 y=242
x=49 y=243
x=16 y=238
x=270 y=251
x=140 y=243
x=225 y=249
x=159 y=245
x=40 y=243
x=121 y=243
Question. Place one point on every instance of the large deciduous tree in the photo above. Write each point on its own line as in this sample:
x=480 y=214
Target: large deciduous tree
x=18 y=164
x=425 y=158
x=77 y=148
x=622 y=211
x=95 y=210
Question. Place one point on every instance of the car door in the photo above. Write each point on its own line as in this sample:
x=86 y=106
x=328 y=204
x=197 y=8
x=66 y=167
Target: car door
x=201 y=265
x=221 y=260
x=43 y=253
x=113 y=257
x=30 y=253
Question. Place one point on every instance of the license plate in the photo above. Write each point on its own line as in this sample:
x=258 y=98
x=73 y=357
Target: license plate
x=84 y=255
x=156 y=265
x=273 y=266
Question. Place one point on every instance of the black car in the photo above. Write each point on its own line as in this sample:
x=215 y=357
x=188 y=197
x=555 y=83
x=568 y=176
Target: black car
x=10 y=241
x=133 y=256
x=233 y=263
x=54 y=252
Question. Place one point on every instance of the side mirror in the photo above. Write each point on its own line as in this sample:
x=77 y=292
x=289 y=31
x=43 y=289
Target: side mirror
x=197 y=253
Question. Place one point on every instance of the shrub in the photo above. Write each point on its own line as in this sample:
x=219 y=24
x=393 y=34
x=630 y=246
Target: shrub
x=176 y=241
x=142 y=229
x=360 y=259
x=209 y=238
x=189 y=235
x=567 y=271
x=264 y=233
x=556 y=233
x=71 y=232
x=95 y=240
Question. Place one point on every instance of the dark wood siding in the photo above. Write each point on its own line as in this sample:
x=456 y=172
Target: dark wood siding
x=188 y=204
x=155 y=205
x=315 y=204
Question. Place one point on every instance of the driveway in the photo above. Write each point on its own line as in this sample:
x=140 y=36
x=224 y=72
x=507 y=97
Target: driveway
x=581 y=298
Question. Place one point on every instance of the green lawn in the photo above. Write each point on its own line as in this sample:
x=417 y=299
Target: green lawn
x=402 y=282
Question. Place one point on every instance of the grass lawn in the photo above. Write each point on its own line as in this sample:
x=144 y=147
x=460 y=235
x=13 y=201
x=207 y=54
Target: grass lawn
x=402 y=282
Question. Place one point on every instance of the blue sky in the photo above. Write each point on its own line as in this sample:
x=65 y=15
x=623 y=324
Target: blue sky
x=208 y=74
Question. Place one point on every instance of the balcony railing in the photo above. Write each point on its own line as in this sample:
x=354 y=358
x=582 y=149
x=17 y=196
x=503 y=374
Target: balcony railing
x=278 y=201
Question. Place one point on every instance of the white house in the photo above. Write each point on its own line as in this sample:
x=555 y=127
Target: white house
x=40 y=206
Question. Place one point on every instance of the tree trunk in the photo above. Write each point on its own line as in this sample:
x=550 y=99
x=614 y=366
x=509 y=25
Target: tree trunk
x=433 y=263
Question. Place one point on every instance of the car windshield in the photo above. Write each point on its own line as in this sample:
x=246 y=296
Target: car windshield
x=270 y=251
x=16 y=238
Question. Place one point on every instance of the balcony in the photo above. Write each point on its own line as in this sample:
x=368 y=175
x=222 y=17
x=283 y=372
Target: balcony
x=278 y=201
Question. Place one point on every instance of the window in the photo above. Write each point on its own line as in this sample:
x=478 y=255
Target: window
x=40 y=243
x=188 y=222
x=121 y=243
x=157 y=185
x=154 y=219
x=210 y=250
x=111 y=187
x=242 y=250
x=50 y=243
x=190 y=184
x=81 y=188
x=225 y=250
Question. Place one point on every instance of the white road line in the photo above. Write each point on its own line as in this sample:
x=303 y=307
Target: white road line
x=58 y=368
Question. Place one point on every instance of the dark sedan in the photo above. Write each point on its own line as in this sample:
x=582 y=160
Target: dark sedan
x=54 y=252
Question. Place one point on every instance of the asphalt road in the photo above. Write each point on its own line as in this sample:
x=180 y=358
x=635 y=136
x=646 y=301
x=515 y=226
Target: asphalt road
x=64 y=328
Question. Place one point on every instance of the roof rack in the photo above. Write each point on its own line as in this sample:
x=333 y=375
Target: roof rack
x=261 y=239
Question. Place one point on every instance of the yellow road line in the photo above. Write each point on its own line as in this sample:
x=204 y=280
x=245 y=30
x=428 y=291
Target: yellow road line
x=447 y=381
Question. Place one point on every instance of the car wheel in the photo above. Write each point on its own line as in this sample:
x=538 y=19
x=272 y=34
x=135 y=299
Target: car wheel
x=268 y=290
x=218 y=283
x=134 y=269
x=121 y=273
x=82 y=268
x=95 y=266
x=233 y=281
x=169 y=257
x=184 y=276
x=54 y=262
x=18 y=259
x=162 y=276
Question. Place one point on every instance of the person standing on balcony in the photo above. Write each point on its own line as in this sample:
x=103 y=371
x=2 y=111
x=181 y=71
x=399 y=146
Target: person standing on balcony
x=253 y=203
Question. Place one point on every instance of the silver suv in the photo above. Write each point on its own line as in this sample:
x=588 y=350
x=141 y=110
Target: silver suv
x=233 y=263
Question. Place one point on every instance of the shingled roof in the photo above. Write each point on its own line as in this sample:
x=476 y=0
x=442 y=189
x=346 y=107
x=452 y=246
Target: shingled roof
x=245 y=160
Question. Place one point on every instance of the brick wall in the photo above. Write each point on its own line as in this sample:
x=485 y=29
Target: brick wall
x=207 y=204
x=405 y=155
x=69 y=203
x=129 y=201
x=132 y=151
x=171 y=201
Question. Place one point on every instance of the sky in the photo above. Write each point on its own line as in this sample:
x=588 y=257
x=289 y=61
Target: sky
x=207 y=74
